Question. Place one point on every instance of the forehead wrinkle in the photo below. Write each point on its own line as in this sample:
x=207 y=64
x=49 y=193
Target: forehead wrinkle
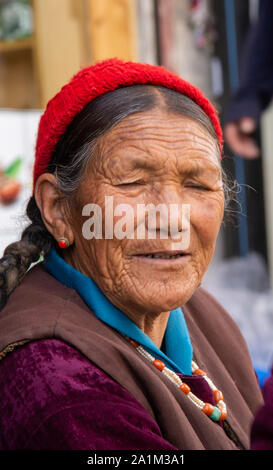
x=135 y=132
x=149 y=157
x=197 y=167
x=140 y=122
x=173 y=134
x=159 y=143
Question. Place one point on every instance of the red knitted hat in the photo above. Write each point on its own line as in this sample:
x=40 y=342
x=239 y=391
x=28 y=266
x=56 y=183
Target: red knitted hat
x=96 y=80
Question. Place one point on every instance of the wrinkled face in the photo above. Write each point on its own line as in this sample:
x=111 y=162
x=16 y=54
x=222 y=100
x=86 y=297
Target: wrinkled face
x=159 y=158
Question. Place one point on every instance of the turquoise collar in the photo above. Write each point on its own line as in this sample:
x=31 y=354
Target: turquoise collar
x=177 y=346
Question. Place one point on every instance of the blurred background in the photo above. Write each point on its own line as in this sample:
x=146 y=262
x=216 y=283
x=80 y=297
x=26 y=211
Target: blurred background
x=44 y=42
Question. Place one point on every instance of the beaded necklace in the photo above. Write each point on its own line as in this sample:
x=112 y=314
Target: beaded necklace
x=216 y=413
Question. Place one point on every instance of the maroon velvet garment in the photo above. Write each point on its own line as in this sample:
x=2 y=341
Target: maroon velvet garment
x=262 y=429
x=53 y=397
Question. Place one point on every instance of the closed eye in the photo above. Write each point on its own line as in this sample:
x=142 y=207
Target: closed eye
x=132 y=183
x=200 y=187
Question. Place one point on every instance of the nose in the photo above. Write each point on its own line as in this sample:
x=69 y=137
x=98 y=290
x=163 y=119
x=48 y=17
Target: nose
x=166 y=216
x=173 y=217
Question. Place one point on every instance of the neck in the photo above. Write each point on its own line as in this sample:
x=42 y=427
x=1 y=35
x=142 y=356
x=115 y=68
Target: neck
x=154 y=327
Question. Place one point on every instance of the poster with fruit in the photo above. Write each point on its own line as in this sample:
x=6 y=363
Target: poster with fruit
x=18 y=130
x=9 y=184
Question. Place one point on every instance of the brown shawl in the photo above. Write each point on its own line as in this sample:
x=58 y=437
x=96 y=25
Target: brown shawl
x=41 y=307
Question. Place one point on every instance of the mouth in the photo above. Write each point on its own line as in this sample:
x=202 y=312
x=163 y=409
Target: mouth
x=163 y=255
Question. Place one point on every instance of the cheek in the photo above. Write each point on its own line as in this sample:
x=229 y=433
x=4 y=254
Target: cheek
x=206 y=219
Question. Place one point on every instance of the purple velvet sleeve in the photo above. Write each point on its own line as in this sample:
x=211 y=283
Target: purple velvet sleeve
x=262 y=429
x=52 y=397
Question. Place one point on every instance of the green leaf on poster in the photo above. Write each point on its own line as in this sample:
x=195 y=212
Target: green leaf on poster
x=13 y=169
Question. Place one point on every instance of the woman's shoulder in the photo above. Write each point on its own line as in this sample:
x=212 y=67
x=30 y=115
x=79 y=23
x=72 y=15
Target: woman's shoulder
x=210 y=314
x=209 y=318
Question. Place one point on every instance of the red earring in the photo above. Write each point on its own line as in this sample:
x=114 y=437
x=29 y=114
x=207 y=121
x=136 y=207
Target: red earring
x=63 y=243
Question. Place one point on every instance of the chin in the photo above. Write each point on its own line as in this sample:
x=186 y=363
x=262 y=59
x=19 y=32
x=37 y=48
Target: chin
x=167 y=298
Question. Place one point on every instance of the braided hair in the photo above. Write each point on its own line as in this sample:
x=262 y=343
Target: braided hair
x=70 y=159
x=18 y=256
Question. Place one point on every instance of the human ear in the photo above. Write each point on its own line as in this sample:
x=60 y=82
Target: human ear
x=53 y=207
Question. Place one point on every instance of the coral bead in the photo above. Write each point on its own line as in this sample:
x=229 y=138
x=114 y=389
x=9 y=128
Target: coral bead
x=159 y=364
x=185 y=388
x=208 y=409
x=218 y=395
x=62 y=244
x=223 y=416
x=199 y=372
x=134 y=343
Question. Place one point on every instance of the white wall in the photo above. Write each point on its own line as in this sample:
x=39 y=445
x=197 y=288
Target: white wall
x=18 y=131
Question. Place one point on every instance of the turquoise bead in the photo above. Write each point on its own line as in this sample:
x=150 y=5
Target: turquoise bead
x=216 y=414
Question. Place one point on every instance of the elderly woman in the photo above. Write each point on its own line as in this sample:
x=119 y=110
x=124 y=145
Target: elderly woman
x=110 y=342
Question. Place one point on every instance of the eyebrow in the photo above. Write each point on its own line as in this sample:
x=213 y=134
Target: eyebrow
x=141 y=163
x=194 y=169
